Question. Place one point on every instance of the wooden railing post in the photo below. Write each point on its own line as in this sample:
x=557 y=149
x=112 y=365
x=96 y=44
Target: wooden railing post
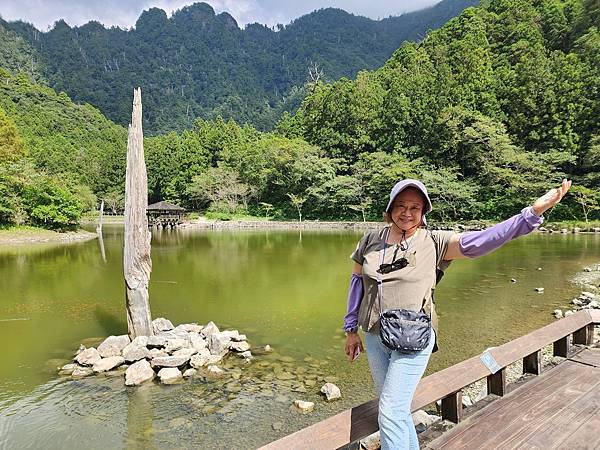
x=452 y=407
x=561 y=347
x=496 y=383
x=585 y=335
x=533 y=363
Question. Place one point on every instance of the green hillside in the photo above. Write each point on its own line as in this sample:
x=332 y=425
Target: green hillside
x=201 y=64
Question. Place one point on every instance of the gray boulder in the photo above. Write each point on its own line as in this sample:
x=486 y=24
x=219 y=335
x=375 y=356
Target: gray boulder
x=241 y=346
x=157 y=353
x=88 y=357
x=197 y=342
x=209 y=329
x=139 y=373
x=133 y=353
x=109 y=363
x=187 y=352
x=175 y=344
x=169 y=361
x=170 y=375
x=191 y=327
x=218 y=343
x=202 y=358
x=161 y=324
x=156 y=341
x=113 y=345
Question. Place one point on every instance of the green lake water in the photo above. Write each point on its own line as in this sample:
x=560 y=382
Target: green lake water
x=284 y=289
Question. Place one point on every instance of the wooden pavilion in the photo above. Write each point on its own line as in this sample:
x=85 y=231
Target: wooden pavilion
x=163 y=214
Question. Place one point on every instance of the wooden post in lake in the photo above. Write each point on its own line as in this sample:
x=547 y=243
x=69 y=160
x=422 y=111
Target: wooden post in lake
x=99 y=227
x=137 y=264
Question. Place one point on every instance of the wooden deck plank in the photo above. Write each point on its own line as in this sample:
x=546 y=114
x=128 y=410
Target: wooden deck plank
x=575 y=420
x=589 y=356
x=531 y=402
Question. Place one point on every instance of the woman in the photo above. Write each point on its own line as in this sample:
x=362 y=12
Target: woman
x=406 y=261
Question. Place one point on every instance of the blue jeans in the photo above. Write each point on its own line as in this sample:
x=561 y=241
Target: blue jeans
x=396 y=376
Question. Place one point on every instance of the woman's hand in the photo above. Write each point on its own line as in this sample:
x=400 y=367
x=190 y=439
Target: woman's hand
x=551 y=198
x=353 y=346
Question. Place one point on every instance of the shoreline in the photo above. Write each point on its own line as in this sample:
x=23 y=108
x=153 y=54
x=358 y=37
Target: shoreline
x=31 y=235
x=203 y=224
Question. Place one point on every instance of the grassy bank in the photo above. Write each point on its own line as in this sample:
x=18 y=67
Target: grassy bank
x=28 y=234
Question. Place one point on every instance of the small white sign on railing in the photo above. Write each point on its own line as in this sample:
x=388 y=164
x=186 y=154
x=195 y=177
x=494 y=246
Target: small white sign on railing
x=488 y=361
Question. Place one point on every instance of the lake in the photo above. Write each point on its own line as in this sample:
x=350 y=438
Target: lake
x=285 y=289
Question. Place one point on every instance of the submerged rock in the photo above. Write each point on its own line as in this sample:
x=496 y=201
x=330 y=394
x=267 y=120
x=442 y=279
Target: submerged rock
x=214 y=370
x=303 y=406
x=68 y=369
x=189 y=373
x=81 y=372
x=170 y=375
x=139 y=373
x=331 y=391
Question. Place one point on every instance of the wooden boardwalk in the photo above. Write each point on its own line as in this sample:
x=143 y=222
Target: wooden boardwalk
x=558 y=409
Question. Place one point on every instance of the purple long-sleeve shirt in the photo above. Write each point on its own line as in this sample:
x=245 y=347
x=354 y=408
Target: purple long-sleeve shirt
x=479 y=243
x=472 y=244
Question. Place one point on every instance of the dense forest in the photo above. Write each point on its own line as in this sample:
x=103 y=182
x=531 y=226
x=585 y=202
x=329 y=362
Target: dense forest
x=201 y=64
x=489 y=111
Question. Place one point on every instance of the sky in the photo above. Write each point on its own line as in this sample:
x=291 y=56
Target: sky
x=124 y=13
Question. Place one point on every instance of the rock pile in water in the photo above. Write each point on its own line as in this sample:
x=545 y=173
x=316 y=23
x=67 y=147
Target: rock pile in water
x=171 y=354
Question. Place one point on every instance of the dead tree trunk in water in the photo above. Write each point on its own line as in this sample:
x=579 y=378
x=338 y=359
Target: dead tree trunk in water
x=136 y=256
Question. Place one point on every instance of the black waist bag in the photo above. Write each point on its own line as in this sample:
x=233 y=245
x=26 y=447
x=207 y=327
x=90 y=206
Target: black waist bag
x=405 y=330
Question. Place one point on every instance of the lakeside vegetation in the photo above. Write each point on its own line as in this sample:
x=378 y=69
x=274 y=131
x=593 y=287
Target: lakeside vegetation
x=489 y=111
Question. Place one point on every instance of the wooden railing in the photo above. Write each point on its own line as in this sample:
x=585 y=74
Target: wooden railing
x=445 y=385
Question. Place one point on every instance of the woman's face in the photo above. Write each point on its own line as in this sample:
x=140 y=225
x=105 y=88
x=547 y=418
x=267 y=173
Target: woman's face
x=407 y=209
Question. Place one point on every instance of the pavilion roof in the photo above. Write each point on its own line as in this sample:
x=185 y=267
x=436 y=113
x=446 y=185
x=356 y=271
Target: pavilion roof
x=164 y=206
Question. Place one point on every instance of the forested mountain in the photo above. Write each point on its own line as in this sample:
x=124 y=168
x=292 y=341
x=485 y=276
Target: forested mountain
x=201 y=64
x=489 y=111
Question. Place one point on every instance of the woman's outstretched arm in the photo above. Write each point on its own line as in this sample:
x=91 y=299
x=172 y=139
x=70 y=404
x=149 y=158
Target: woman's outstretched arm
x=478 y=243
